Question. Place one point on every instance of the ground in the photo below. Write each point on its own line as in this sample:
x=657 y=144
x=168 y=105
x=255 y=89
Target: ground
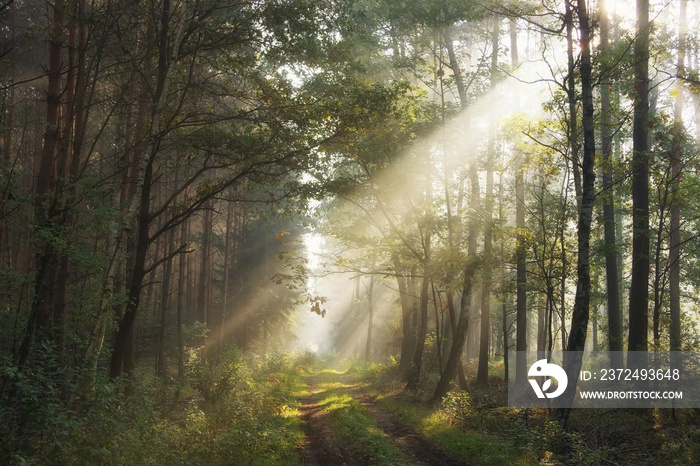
x=345 y=426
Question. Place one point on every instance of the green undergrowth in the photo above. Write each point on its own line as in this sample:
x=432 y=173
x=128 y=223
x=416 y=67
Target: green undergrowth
x=230 y=409
x=478 y=427
x=470 y=442
x=353 y=424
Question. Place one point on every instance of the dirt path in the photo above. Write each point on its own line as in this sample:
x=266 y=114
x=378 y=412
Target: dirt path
x=323 y=447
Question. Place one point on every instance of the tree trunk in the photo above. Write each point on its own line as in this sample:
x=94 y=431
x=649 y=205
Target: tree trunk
x=482 y=374
x=161 y=368
x=370 y=318
x=520 y=246
x=406 y=349
x=39 y=315
x=203 y=292
x=417 y=365
x=639 y=287
x=571 y=96
x=226 y=265
x=181 y=300
x=140 y=206
x=674 y=253
x=580 y=314
x=455 y=236
x=454 y=357
x=123 y=351
x=611 y=253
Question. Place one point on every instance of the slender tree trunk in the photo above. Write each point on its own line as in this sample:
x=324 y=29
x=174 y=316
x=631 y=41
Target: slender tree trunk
x=454 y=357
x=639 y=287
x=122 y=355
x=407 y=332
x=611 y=253
x=455 y=236
x=461 y=376
x=580 y=314
x=456 y=71
x=370 y=318
x=226 y=278
x=203 y=292
x=161 y=368
x=417 y=365
x=674 y=253
x=181 y=300
x=572 y=100
x=520 y=246
x=123 y=351
x=39 y=317
x=482 y=375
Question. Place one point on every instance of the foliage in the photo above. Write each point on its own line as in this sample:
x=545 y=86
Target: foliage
x=475 y=426
x=457 y=407
x=235 y=409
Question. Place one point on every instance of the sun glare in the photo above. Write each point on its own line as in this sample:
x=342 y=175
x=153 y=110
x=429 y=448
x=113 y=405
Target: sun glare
x=620 y=9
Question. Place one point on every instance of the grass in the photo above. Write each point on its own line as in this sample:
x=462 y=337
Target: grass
x=478 y=448
x=232 y=409
x=478 y=428
x=479 y=438
x=353 y=424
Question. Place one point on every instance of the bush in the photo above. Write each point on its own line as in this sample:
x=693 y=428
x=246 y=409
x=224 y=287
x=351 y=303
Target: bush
x=230 y=409
x=457 y=407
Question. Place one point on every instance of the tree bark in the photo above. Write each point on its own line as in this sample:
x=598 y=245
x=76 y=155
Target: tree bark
x=161 y=368
x=611 y=253
x=571 y=96
x=370 y=318
x=123 y=352
x=454 y=358
x=203 y=291
x=520 y=249
x=39 y=314
x=580 y=314
x=639 y=287
x=674 y=253
x=408 y=338
x=181 y=300
x=417 y=363
x=487 y=270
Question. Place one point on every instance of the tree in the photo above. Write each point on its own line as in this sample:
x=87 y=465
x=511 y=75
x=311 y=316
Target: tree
x=487 y=270
x=639 y=286
x=580 y=314
x=674 y=253
x=611 y=252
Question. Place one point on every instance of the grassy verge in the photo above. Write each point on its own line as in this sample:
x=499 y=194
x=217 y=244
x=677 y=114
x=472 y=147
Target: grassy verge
x=477 y=427
x=470 y=441
x=479 y=448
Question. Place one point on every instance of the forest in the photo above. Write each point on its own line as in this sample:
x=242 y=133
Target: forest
x=285 y=232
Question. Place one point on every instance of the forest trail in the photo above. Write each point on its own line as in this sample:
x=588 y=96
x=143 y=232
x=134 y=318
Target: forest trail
x=345 y=426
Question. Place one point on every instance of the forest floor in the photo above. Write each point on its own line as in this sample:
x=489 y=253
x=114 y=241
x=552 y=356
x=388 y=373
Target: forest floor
x=344 y=425
x=363 y=415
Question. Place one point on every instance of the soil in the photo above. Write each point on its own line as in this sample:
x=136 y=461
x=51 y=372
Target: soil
x=323 y=448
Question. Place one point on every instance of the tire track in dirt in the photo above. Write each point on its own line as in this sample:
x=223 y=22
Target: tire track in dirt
x=421 y=449
x=322 y=448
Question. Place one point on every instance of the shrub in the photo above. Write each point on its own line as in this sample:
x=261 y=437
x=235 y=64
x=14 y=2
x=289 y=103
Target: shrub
x=456 y=406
